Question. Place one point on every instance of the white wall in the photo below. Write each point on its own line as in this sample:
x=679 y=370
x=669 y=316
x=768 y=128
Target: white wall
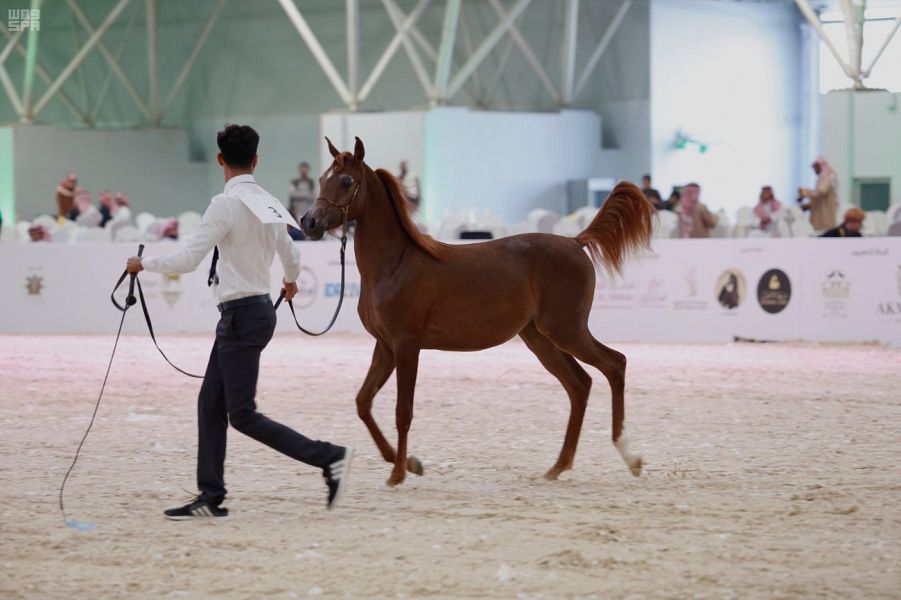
x=725 y=72
x=285 y=141
x=872 y=121
x=150 y=165
x=388 y=137
x=509 y=162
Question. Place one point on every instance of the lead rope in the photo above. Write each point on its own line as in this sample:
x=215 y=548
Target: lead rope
x=130 y=301
x=331 y=323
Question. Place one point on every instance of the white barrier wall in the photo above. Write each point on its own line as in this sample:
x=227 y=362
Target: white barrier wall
x=815 y=290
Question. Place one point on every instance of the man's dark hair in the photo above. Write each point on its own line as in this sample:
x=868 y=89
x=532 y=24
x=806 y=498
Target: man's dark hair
x=304 y=164
x=648 y=177
x=238 y=145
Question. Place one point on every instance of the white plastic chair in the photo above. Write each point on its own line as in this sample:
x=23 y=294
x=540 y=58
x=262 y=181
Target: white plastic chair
x=188 y=222
x=894 y=212
x=9 y=234
x=723 y=226
x=745 y=222
x=22 y=231
x=144 y=221
x=129 y=233
x=585 y=215
x=543 y=221
x=876 y=223
x=790 y=225
x=64 y=235
x=47 y=221
x=93 y=235
x=568 y=227
x=666 y=224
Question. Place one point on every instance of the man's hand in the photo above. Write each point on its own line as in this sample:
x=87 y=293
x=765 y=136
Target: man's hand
x=289 y=289
x=134 y=265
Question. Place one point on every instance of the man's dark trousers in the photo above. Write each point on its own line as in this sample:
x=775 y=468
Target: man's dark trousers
x=227 y=394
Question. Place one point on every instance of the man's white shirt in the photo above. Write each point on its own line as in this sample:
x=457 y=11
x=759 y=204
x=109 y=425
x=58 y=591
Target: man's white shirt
x=246 y=245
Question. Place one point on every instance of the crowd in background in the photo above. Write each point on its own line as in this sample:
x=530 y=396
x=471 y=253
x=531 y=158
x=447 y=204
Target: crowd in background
x=77 y=210
x=110 y=216
x=696 y=220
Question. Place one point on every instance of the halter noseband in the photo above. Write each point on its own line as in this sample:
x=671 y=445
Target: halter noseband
x=344 y=208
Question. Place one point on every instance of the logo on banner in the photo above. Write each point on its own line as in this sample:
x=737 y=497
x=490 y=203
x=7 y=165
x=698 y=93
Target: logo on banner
x=690 y=301
x=731 y=289
x=307 y=286
x=892 y=308
x=835 y=291
x=614 y=293
x=774 y=291
x=653 y=296
x=34 y=284
x=171 y=289
x=351 y=290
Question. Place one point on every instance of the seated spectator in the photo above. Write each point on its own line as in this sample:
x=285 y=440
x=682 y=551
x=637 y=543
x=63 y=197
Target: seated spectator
x=767 y=206
x=39 y=233
x=695 y=219
x=851 y=226
x=88 y=215
x=123 y=208
x=168 y=229
x=107 y=207
x=652 y=194
x=65 y=197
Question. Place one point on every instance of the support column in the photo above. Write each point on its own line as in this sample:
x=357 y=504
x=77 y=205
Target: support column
x=31 y=61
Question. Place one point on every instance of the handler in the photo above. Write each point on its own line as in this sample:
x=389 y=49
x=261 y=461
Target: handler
x=246 y=247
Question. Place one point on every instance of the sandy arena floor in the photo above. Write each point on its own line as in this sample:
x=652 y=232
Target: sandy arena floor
x=772 y=471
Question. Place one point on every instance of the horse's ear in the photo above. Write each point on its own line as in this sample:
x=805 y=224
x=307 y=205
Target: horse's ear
x=331 y=148
x=359 y=150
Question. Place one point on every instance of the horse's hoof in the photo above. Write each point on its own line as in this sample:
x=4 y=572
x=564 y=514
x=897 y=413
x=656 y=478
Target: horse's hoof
x=414 y=466
x=394 y=481
x=552 y=474
x=635 y=466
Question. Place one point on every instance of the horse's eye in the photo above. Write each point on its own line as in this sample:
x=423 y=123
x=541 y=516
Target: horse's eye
x=347 y=180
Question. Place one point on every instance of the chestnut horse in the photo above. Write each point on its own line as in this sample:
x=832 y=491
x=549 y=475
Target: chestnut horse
x=417 y=293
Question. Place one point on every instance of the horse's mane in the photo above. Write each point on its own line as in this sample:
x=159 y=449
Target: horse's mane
x=398 y=200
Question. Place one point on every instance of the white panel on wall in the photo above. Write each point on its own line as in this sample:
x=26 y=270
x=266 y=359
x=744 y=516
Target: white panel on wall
x=509 y=163
x=727 y=74
x=388 y=137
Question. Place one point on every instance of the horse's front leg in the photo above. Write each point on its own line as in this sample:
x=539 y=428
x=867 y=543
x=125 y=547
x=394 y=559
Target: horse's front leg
x=407 y=359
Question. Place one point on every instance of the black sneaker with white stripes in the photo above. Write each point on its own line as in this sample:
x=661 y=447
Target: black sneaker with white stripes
x=197 y=509
x=336 y=475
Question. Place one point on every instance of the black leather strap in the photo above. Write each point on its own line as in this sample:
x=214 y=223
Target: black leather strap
x=130 y=301
x=340 y=298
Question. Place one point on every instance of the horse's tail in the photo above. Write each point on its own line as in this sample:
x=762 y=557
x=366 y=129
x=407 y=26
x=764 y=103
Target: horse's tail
x=624 y=225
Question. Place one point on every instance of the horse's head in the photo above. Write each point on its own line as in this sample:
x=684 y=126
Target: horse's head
x=338 y=199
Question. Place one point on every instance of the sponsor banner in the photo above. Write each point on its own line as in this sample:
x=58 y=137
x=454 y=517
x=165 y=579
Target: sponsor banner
x=683 y=291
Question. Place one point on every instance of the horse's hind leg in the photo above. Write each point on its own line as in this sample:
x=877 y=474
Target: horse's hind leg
x=379 y=371
x=578 y=341
x=575 y=381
